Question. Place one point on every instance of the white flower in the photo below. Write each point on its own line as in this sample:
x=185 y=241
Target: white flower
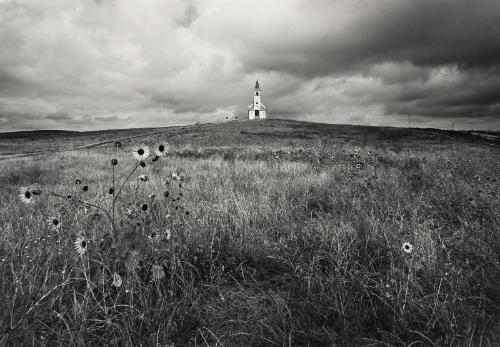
x=168 y=234
x=26 y=195
x=143 y=178
x=407 y=247
x=117 y=280
x=141 y=152
x=81 y=245
x=161 y=149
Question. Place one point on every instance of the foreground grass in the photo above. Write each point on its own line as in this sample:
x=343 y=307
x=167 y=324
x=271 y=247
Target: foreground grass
x=282 y=245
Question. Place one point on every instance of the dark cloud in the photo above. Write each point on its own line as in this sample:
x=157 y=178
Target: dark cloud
x=101 y=63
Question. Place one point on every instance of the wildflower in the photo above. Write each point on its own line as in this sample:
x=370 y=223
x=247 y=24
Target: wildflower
x=477 y=178
x=111 y=191
x=143 y=178
x=175 y=176
x=168 y=234
x=114 y=161
x=129 y=211
x=54 y=224
x=356 y=152
x=140 y=152
x=26 y=195
x=78 y=181
x=81 y=245
x=161 y=149
x=117 y=280
x=144 y=207
x=68 y=197
x=153 y=237
x=158 y=272
x=142 y=163
x=152 y=196
x=358 y=166
x=85 y=188
x=117 y=144
x=407 y=247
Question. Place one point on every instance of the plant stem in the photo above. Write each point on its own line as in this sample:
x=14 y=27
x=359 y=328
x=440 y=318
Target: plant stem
x=124 y=182
x=84 y=202
x=113 y=205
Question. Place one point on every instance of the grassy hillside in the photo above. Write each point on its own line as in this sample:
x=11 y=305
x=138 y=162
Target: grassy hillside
x=281 y=233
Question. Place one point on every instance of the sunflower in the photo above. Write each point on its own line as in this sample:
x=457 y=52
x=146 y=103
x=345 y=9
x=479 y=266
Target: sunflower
x=54 y=223
x=161 y=149
x=407 y=247
x=153 y=236
x=144 y=207
x=117 y=280
x=158 y=272
x=141 y=152
x=25 y=195
x=114 y=161
x=81 y=245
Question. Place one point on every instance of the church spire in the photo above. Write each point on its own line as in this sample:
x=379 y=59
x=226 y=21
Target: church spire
x=257 y=87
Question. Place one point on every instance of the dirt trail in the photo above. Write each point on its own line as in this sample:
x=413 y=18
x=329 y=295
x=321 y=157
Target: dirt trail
x=91 y=145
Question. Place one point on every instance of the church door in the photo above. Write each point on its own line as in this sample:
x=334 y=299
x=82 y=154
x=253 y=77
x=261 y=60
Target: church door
x=256 y=113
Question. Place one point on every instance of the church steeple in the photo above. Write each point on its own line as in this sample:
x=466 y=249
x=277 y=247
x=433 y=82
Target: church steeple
x=257 y=87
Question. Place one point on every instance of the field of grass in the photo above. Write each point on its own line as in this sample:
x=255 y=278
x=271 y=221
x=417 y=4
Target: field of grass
x=282 y=233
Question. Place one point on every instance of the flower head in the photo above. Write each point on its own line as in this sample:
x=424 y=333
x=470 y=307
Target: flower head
x=407 y=247
x=78 y=181
x=175 y=176
x=144 y=207
x=142 y=163
x=158 y=272
x=117 y=280
x=85 y=188
x=153 y=236
x=358 y=166
x=54 y=223
x=114 y=161
x=143 y=178
x=168 y=234
x=161 y=149
x=26 y=195
x=141 y=152
x=81 y=245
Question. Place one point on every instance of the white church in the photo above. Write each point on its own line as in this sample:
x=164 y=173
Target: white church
x=257 y=110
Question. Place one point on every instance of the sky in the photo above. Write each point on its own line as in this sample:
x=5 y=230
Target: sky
x=101 y=64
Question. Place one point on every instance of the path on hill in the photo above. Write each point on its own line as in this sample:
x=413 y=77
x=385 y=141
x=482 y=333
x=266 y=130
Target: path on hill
x=91 y=145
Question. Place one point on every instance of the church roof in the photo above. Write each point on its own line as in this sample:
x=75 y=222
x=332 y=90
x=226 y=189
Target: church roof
x=257 y=87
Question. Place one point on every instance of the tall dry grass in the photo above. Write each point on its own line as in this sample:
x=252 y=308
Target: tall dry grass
x=282 y=245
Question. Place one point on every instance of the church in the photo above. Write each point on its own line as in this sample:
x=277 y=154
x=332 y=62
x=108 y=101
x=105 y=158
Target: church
x=257 y=110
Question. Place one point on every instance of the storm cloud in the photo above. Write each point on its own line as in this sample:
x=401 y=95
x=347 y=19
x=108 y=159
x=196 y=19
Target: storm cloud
x=78 y=64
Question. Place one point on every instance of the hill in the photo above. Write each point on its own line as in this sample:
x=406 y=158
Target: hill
x=240 y=133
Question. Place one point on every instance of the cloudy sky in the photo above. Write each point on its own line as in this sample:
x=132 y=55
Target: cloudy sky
x=95 y=64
